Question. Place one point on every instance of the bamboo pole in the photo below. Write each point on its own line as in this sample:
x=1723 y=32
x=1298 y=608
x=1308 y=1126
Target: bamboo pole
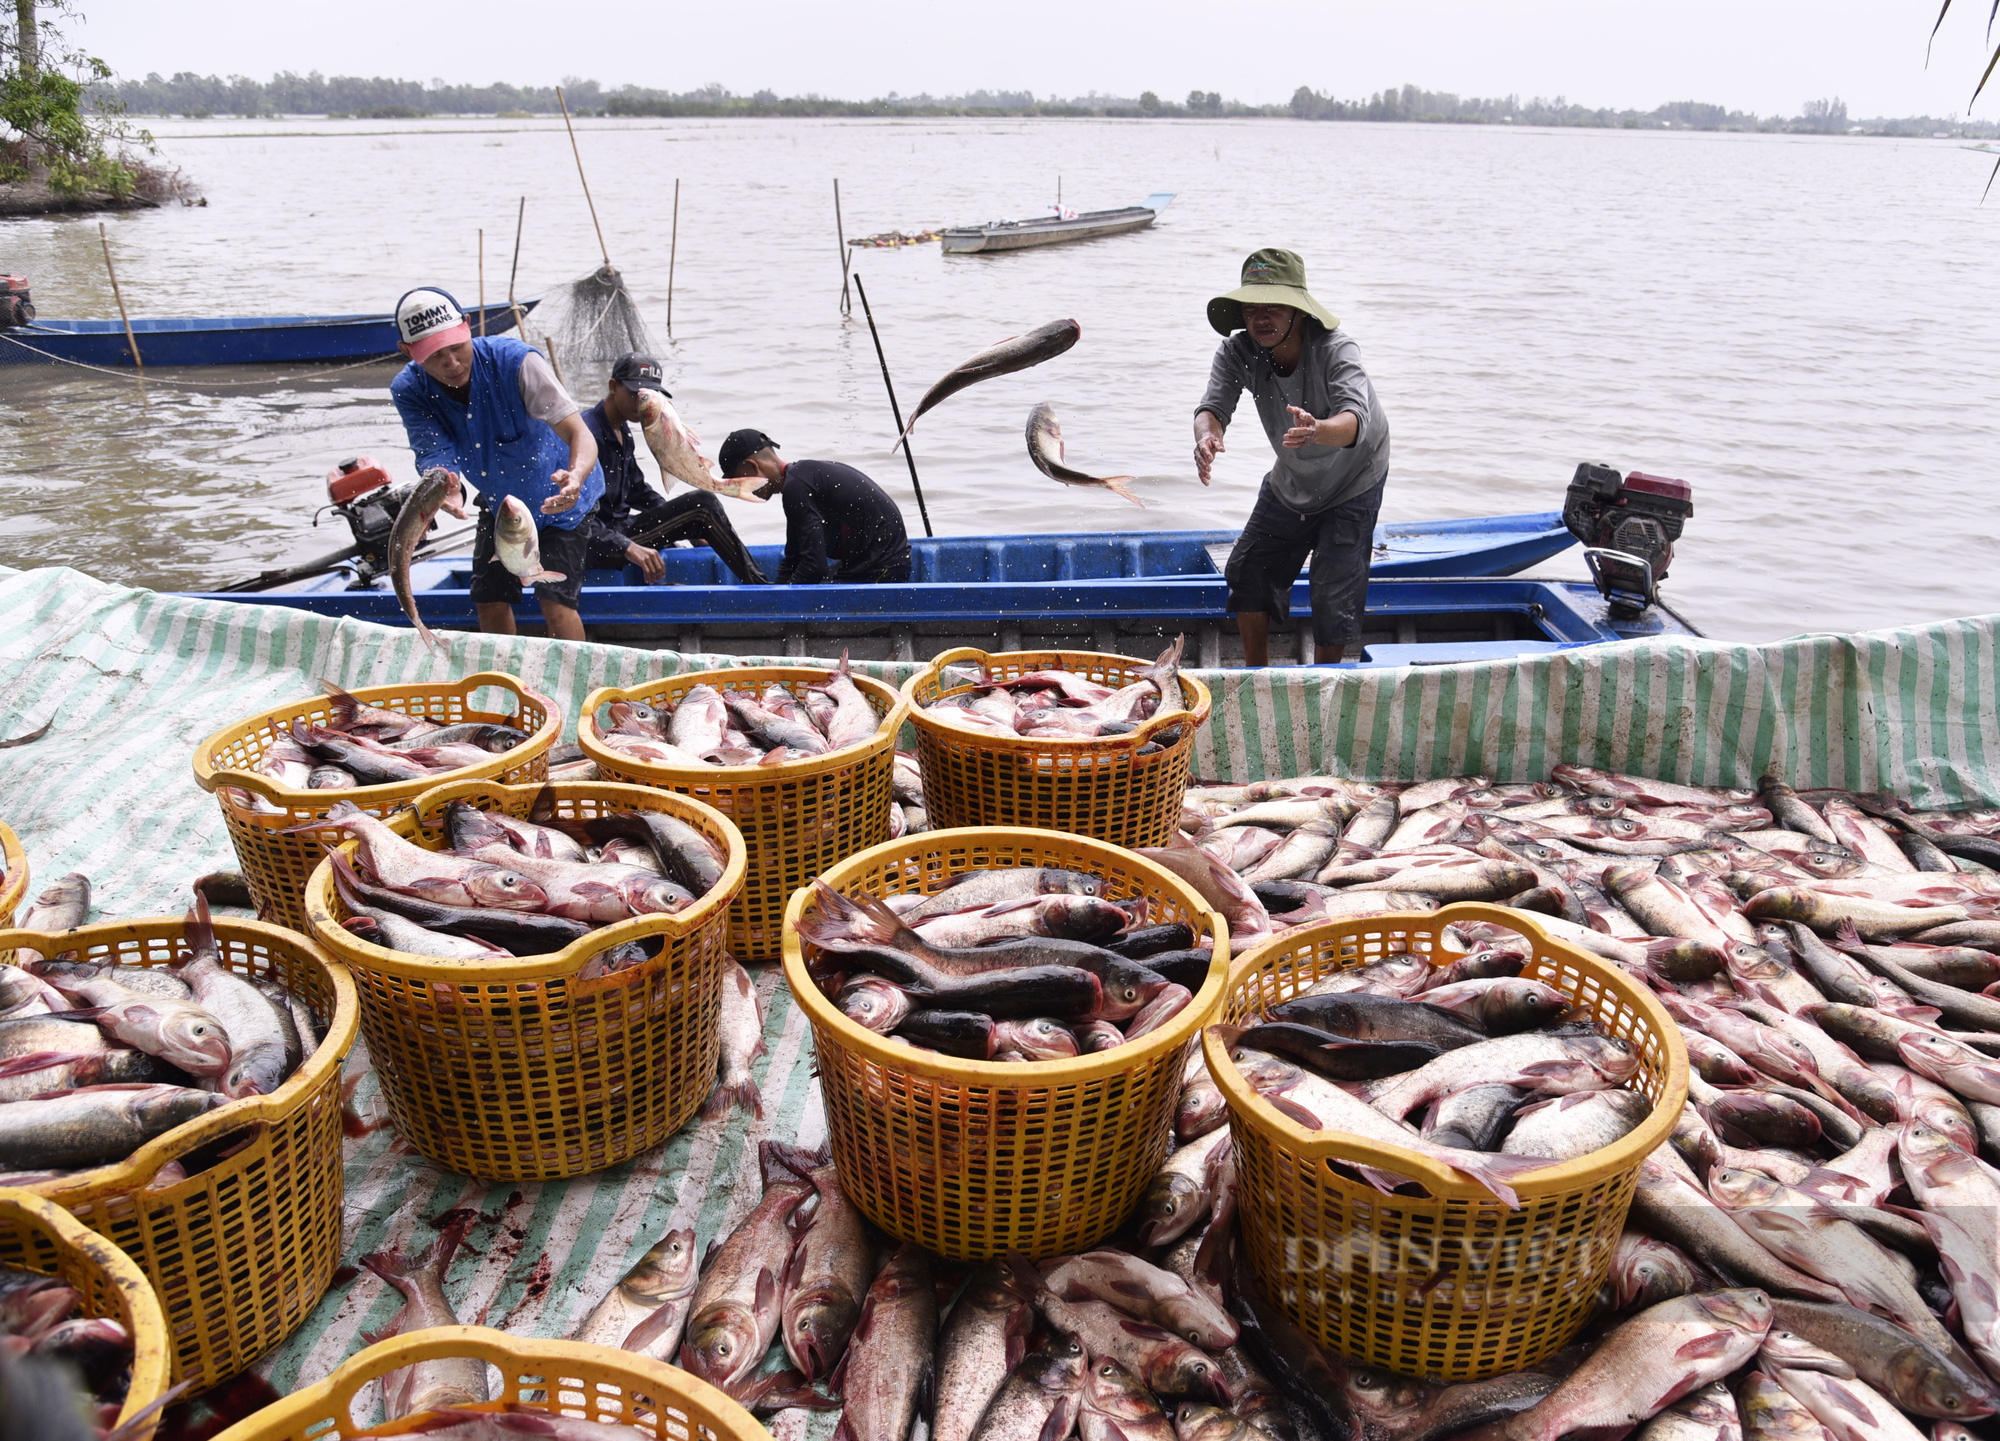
x=673 y=253
x=554 y=364
x=520 y=325
x=581 y=176
x=840 y=234
x=482 y=280
x=118 y=295
x=894 y=409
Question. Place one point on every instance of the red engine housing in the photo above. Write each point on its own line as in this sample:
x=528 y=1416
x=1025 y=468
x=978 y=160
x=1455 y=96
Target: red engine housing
x=356 y=477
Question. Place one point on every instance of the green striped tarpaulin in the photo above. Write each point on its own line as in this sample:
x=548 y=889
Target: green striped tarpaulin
x=133 y=681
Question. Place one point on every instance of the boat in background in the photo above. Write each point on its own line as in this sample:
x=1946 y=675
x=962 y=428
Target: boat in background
x=227 y=340
x=1058 y=229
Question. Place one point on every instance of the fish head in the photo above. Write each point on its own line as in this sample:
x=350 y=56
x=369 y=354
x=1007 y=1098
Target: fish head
x=1168 y=1208
x=1646 y=1271
x=1914 y=1372
x=1039 y=1039
x=651 y=895
x=721 y=1345
x=1744 y=1308
x=1060 y=1366
x=1616 y=1060
x=1924 y=1147
x=817 y=1326
x=195 y=1041
x=1200 y=1103
x=1735 y=1190
x=505 y=890
x=668 y=1269
x=1178 y=1369
x=1200 y=1421
x=1789 y=1351
x=513 y=518
x=1114 y=1391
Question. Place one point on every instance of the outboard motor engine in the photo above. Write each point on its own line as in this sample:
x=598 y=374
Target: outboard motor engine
x=1628 y=527
x=358 y=490
x=16 y=309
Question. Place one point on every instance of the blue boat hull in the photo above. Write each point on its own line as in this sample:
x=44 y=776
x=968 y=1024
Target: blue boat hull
x=234 y=340
x=1118 y=592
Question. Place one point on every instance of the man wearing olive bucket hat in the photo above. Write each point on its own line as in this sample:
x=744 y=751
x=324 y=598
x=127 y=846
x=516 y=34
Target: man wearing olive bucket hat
x=1332 y=442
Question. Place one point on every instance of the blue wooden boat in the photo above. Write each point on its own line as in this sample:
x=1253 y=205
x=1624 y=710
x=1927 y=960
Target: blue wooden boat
x=1436 y=594
x=228 y=340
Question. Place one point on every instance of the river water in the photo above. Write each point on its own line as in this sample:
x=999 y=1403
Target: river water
x=1806 y=329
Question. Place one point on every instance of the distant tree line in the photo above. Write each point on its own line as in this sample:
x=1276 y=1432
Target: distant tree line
x=187 y=94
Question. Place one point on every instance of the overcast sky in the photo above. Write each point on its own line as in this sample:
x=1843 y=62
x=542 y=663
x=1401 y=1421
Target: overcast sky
x=1764 y=55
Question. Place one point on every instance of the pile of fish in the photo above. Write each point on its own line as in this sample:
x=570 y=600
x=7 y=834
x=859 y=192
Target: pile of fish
x=1062 y=705
x=1822 y=1234
x=63 y=1372
x=907 y=816
x=1019 y=964
x=505 y=886
x=728 y=727
x=1101 y=1341
x=1502 y=1082
x=364 y=745
x=98 y=1059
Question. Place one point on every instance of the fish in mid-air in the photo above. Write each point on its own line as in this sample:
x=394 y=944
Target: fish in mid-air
x=440 y=489
x=674 y=446
x=518 y=544
x=1016 y=352
x=1045 y=449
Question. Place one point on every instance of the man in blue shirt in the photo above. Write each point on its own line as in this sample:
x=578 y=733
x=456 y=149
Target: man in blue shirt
x=634 y=520
x=492 y=411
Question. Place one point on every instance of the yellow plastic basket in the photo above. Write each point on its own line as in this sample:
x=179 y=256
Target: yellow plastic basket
x=242 y=1249
x=568 y=1378
x=1450 y=1285
x=797 y=818
x=13 y=881
x=37 y=1235
x=275 y=864
x=974 y=1159
x=517 y=1070
x=1100 y=787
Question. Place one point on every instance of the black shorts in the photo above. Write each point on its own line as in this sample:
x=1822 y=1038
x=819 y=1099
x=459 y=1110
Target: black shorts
x=565 y=552
x=1272 y=550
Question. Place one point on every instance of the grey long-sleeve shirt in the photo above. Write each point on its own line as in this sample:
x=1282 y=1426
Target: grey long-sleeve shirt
x=1327 y=380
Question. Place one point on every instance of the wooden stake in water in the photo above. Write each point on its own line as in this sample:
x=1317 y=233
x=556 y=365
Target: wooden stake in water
x=520 y=327
x=605 y=250
x=673 y=254
x=894 y=409
x=840 y=234
x=116 y=294
x=482 y=280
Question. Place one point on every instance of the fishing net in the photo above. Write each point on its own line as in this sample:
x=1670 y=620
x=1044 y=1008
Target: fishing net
x=585 y=326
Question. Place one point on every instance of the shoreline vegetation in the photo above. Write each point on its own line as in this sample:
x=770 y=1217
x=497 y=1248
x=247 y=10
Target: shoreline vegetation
x=189 y=96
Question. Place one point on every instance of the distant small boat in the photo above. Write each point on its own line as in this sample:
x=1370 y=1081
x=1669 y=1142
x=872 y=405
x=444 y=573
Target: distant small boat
x=227 y=340
x=998 y=235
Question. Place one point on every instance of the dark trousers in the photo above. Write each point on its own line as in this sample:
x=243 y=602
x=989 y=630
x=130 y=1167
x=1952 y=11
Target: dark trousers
x=1272 y=550
x=696 y=516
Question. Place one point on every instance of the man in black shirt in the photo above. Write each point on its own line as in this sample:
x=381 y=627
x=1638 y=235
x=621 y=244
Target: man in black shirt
x=633 y=520
x=839 y=524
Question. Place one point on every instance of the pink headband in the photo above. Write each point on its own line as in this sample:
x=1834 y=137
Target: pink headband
x=422 y=350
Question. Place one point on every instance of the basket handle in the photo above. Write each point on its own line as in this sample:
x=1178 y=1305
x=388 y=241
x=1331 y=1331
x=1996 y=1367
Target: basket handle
x=257 y=785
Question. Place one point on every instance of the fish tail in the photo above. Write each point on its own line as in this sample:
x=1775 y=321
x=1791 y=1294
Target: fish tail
x=400 y=1269
x=198 y=926
x=345 y=706
x=539 y=576
x=338 y=816
x=722 y=1098
x=1117 y=486
x=430 y=639
x=798 y=1160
